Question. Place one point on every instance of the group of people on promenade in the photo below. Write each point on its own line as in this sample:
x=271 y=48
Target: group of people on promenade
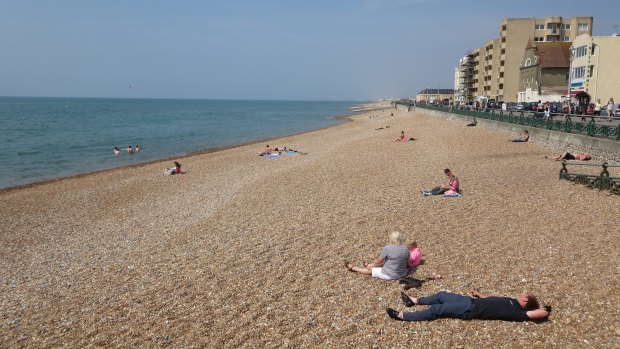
x=398 y=258
x=129 y=150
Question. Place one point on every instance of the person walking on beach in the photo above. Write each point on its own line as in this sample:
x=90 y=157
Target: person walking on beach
x=452 y=188
x=476 y=306
x=391 y=263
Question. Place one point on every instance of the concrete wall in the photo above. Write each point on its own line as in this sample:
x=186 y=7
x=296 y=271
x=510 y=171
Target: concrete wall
x=601 y=149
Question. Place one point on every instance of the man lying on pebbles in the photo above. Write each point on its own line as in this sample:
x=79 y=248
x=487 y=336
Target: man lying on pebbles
x=479 y=306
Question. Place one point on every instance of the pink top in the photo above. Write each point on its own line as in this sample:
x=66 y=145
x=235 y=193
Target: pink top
x=415 y=256
x=454 y=185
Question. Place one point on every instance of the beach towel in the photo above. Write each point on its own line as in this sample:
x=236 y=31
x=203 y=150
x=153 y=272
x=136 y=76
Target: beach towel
x=452 y=195
x=271 y=155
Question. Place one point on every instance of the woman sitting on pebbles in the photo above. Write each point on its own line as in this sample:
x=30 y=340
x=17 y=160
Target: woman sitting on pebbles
x=391 y=263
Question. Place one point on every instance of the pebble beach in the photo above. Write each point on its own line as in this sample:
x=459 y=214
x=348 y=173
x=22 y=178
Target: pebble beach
x=243 y=251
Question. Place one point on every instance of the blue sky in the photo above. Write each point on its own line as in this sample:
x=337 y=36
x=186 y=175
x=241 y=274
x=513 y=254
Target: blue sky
x=262 y=49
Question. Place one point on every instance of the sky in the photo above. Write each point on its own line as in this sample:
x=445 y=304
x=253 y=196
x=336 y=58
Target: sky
x=261 y=49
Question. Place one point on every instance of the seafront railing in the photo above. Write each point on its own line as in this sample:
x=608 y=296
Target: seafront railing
x=602 y=181
x=591 y=128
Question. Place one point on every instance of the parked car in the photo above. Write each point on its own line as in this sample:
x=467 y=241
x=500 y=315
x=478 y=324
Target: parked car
x=511 y=106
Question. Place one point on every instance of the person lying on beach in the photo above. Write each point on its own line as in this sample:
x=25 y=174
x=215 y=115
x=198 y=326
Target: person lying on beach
x=117 y=151
x=525 y=136
x=452 y=189
x=473 y=123
x=268 y=150
x=391 y=263
x=476 y=306
x=568 y=156
x=174 y=170
x=402 y=138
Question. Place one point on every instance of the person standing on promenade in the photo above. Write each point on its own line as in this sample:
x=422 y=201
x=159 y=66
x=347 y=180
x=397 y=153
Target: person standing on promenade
x=611 y=108
x=391 y=263
x=597 y=107
x=476 y=306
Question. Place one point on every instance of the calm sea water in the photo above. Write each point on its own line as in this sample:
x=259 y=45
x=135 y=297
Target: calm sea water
x=45 y=138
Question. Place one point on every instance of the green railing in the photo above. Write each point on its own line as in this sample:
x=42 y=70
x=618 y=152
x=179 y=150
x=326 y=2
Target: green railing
x=590 y=129
x=602 y=181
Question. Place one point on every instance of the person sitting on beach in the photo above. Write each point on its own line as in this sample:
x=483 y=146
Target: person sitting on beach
x=473 y=123
x=391 y=263
x=117 y=151
x=476 y=306
x=268 y=150
x=129 y=150
x=402 y=138
x=415 y=255
x=525 y=136
x=568 y=156
x=174 y=170
x=452 y=189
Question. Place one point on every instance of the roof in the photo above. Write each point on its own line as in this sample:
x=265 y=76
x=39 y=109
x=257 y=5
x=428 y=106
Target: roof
x=437 y=91
x=553 y=54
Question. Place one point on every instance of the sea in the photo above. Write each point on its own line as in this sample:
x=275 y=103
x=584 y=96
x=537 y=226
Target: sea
x=48 y=138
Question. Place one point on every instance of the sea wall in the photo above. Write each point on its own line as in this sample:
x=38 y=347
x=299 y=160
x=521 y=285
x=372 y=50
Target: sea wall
x=603 y=149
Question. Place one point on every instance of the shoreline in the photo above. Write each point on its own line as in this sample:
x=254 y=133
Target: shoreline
x=189 y=154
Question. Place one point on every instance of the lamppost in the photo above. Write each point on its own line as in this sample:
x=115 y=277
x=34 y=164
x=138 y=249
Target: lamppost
x=570 y=76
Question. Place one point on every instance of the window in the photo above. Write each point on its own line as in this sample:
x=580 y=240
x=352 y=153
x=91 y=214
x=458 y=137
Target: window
x=539 y=38
x=593 y=51
x=579 y=72
x=582 y=27
x=552 y=26
x=566 y=26
x=539 y=26
x=565 y=38
x=590 y=71
x=580 y=51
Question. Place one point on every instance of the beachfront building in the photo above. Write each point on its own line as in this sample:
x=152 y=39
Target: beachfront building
x=464 y=82
x=595 y=73
x=544 y=72
x=435 y=95
x=500 y=59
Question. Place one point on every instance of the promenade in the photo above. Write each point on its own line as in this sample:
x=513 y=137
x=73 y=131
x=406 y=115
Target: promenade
x=245 y=251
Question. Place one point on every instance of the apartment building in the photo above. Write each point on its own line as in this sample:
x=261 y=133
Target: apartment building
x=435 y=95
x=499 y=59
x=591 y=56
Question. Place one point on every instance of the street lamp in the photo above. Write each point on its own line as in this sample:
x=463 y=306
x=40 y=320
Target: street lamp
x=571 y=50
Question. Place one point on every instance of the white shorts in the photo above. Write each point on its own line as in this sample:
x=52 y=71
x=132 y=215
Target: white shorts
x=378 y=273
